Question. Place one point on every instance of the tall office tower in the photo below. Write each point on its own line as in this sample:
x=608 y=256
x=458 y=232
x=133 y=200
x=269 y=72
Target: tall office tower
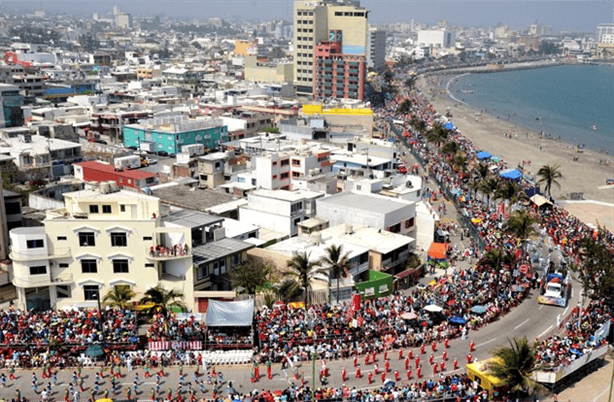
x=314 y=23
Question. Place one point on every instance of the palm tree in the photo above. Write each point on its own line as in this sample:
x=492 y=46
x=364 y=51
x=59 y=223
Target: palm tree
x=509 y=191
x=481 y=171
x=405 y=107
x=488 y=186
x=474 y=186
x=522 y=225
x=437 y=134
x=418 y=124
x=305 y=271
x=496 y=258
x=450 y=148
x=337 y=262
x=549 y=174
x=514 y=365
x=162 y=299
x=119 y=296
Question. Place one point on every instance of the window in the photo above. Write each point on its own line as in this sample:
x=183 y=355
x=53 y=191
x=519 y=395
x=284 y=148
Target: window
x=87 y=239
x=93 y=209
x=106 y=209
x=147 y=238
x=89 y=266
x=122 y=208
x=296 y=162
x=63 y=265
x=38 y=270
x=296 y=174
x=150 y=265
x=236 y=259
x=119 y=240
x=62 y=238
x=38 y=243
x=201 y=272
x=285 y=162
x=120 y=266
x=90 y=292
x=284 y=176
x=296 y=207
x=63 y=292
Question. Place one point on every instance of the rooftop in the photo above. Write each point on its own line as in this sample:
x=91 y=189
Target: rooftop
x=217 y=249
x=192 y=219
x=128 y=197
x=39 y=145
x=377 y=240
x=226 y=207
x=291 y=196
x=191 y=197
x=104 y=167
x=367 y=202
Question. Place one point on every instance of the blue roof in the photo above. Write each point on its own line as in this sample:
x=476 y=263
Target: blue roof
x=511 y=174
x=483 y=155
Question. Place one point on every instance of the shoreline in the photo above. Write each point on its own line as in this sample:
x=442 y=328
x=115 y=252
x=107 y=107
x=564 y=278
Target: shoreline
x=583 y=172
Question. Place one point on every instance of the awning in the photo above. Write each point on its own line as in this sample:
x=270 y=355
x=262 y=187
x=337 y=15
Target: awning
x=449 y=126
x=483 y=155
x=438 y=251
x=540 y=200
x=226 y=314
x=511 y=174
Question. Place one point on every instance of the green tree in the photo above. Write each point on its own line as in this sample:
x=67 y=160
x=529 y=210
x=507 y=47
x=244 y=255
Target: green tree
x=337 y=262
x=450 y=148
x=305 y=271
x=596 y=267
x=289 y=290
x=497 y=258
x=514 y=366
x=550 y=174
x=162 y=299
x=488 y=187
x=522 y=225
x=437 y=134
x=418 y=124
x=119 y=296
x=251 y=275
x=405 y=107
x=509 y=191
x=481 y=171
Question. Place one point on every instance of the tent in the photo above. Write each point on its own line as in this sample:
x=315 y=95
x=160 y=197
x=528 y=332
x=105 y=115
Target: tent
x=511 y=174
x=483 y=155
x=438 y=251
x=230 y=314
x=540 y=200
x=449 y=126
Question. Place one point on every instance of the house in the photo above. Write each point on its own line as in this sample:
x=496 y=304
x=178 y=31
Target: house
x=95 y=171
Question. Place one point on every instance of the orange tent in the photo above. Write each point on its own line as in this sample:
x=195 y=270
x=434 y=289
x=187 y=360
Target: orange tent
x=438 y=251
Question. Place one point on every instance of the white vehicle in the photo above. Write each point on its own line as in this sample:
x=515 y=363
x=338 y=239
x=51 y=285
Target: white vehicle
x=127 y=162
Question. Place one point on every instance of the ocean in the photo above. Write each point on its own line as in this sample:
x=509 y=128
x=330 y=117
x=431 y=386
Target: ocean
x=562 y=101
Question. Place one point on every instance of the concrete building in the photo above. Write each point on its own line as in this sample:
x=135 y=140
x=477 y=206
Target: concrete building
x=11 y=101
x=101 y=238
x=111 y=123
x=188 y=79
x=211 y=169
x=603 y=29
x=366 y=209
x=30 y=85
x=338 y=75
x=169 y=134
x=314 y=22
x=268 y=71
x=437 y=38
x=376 y=50
x=279 y=210
x=123 y=21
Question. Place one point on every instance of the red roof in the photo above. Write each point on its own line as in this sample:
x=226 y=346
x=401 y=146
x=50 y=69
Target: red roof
x=103 y=167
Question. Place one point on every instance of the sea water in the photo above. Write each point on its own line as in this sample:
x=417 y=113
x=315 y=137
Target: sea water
x=574 y=102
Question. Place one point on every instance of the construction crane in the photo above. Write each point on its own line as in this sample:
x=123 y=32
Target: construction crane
x=11 y=58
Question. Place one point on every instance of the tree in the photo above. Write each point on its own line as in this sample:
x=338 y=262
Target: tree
x=549 y=174
x=405 y=107
x=251 y=275
x=481 y=172
x=305 y=271
x=514 y=366
x=488 y=187
x=437 y=134
x=509 y=191
x=162 y=299
x=119 y=296
x=596 y=267
x=450 y=148
x=522 y=225
x=496 y=258
x=289 y=290
x=337 y=262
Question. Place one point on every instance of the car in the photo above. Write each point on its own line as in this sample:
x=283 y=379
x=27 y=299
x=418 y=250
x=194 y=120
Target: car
x=151 y=161
x=101 y=142
x=421 y=286
x=162 y=153
x=132 y=148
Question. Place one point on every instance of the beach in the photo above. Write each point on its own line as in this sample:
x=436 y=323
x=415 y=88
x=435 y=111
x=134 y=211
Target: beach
x=583 y=173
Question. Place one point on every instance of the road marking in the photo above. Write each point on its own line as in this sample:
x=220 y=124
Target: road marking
x=565 y=311
x=485 y=343
x=541 y=307
x=602 y=392
x=521 y=324
x=543 y=333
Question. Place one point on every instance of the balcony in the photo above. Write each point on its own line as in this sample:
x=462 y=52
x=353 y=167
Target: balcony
x=162 y=253
x=402 y=257
x=31 y=281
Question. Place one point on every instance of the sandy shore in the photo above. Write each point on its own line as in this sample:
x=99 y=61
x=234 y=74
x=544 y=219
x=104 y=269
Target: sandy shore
x=585 y=175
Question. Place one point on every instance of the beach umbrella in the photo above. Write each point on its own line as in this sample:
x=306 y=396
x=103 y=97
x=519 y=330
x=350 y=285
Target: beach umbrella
x=457 y=319
x=409 y=316
x=449 y=126
x=94 y=350
x=516 y=288
x=495 y=158
x=476 y=220
x=433 y=308
x=478 y=309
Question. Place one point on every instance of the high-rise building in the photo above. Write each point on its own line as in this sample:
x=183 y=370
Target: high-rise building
x=338 y=75
x=11 y=101
x=603 y=29
x=376 y=49
x=314 y=22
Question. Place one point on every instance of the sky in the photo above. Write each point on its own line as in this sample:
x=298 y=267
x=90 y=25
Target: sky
x=567 y=15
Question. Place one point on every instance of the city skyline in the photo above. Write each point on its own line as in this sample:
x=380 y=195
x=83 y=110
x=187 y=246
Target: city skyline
x=561 y=15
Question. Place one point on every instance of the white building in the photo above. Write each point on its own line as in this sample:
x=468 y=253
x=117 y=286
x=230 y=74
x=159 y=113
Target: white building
x=101 y=238
x=602 y=30
x=279 y=210
x=437 y=38
x=376 y=49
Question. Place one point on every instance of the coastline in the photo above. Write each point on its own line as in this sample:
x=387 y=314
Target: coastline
x=515 y=143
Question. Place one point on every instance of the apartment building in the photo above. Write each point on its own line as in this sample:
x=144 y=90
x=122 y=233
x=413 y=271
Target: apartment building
x=376 y=50
x=111 y=123
x=101 y=238
x=11 y=101
x=267 y=70
x=96 y=172
x=314 y=22
x=279 y=211
x=338 y=75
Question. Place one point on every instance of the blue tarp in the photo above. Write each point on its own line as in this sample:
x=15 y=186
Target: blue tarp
x=483 y=155
x=511 y=174
x=449 y=126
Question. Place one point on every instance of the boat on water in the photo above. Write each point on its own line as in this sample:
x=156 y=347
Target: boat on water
x=467 y=91
x=594 y=126
x=538 y=118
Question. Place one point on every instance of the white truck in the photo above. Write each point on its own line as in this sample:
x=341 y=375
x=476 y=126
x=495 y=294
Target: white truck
x=127 y=162
x=193 y=149
x=149 y=147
